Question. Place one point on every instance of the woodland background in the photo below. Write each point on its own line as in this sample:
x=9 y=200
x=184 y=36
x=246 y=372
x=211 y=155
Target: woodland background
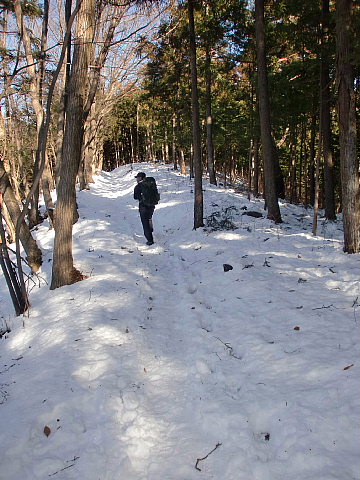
x=265 y=93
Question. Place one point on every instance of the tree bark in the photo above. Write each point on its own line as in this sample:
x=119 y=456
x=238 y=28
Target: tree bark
x=311 y=163
x=197 y=161
x=34 y=256
x=18 y=297
x=63 y=271
x=293 y=170
x=256 y=167
x=80 y=100
x=317 y=184
x=88 y=156
x=209 y=122
x=349 y=163
x=64 y=95
x=326 y=118
x=269 y=150
x=173 y=143
x=35 y=82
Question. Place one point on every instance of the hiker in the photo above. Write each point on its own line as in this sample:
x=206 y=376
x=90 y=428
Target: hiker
x=146 y=192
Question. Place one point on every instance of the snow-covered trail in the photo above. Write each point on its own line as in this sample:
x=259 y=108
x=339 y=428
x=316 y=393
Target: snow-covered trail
x=180 y=313
x=160 y=357
x=166 y=328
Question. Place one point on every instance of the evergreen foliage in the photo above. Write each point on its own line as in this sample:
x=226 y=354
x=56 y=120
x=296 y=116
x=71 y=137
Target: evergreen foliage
x=221 y=219
x=293 y=52
x=141 y=95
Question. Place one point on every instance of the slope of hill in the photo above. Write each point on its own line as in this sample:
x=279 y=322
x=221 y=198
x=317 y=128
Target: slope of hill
x=164 y=364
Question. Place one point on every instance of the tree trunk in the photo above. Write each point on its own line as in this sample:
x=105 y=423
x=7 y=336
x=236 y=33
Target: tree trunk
x=147 y=145
x=256 y=167
x=182 y=161
x=317 y=184
x=166 y=145
x=251 y=168
x=34 y=256
x=10 y=228
x=209 y=122
x=173 y=144
x=18 y=295
x=14 y=133
x=326 y=118
x=301 y=162
x=311 y=163
x=137 y=133
x=34 y=88
x=63 y=271
x=349 y=163
x=88 y=155
x=83 y=85
x=64 y=95
x=47 y=185
x=269 y=150
x=197 y=161
x=132 y=151
x=293 y=176
x=60 y=126
x=85 y=164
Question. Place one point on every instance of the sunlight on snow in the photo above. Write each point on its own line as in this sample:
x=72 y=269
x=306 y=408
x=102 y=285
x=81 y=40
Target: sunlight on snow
x=97 y=362
x=48 y=338
x=193 y=246
x=228 y=236
x=141 y=438
x=168 y=204
x=88 y=226
x=177 y=192
x=157 y=357
x=116 y=192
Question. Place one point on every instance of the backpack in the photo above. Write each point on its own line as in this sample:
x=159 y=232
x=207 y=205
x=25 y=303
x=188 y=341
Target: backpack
x=149 y=192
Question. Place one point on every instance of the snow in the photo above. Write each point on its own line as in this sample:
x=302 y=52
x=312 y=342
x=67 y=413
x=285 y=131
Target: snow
x=161 y=365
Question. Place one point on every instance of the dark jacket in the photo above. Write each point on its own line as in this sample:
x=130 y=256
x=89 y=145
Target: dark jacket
x=137 y=192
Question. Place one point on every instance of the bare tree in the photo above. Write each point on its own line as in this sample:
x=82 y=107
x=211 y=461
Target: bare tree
x=36 y=77
x=63 y=270
x=83 y=85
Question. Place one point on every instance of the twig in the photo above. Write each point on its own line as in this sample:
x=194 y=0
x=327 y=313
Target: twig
x=22 y=258
x=320 y=308
x=354 y=305
x=200 y=260
x=250 y=265
x=229 y=348
x=65 y=468
x=206 y=456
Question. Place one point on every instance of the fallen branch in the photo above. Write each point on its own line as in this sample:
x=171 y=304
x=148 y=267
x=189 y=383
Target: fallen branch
x=204 y=458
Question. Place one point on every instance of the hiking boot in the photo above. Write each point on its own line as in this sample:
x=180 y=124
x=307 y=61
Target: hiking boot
x=149 y=243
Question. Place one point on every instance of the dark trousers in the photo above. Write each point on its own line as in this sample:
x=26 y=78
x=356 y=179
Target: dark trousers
x=146 y=214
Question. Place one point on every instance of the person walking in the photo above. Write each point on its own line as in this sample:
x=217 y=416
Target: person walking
x=146 y=192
